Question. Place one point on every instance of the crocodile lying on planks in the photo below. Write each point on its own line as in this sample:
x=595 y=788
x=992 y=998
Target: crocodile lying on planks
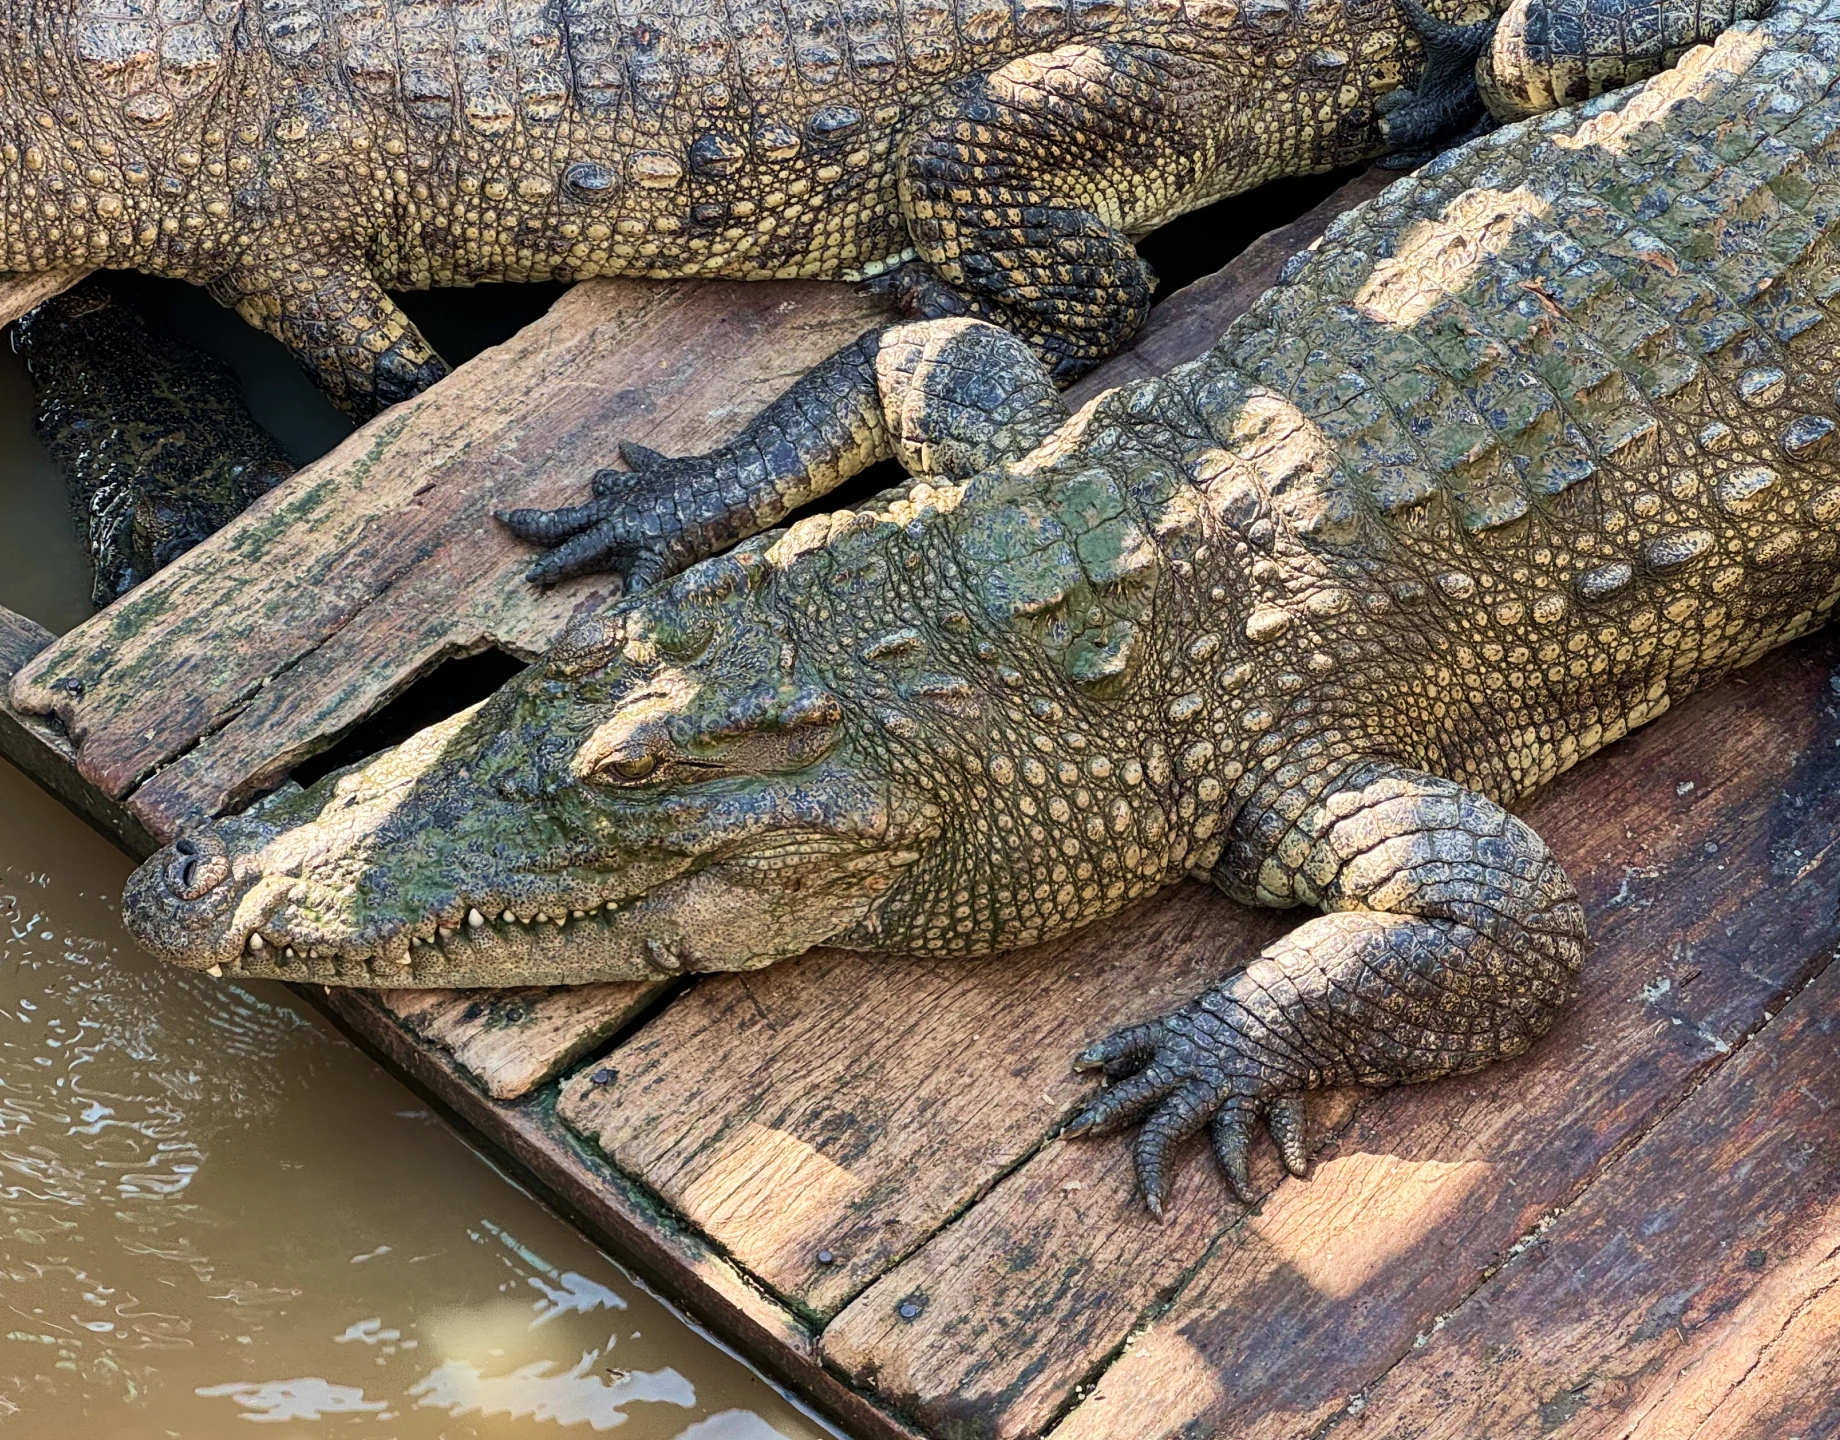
x=1537 y=443
x=302 y=157
x=651 y=520
x=152 y=435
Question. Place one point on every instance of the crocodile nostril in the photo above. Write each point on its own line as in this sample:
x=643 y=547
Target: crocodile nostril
x=198 y=866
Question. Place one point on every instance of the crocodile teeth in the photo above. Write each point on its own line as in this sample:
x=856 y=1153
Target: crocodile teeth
x=542 y=917
x=256 y=943
x=216 y=972
x=446 y=932
x=474 y=920
x=508 y=918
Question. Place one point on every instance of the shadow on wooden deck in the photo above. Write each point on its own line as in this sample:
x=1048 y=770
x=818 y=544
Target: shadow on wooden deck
x=848 y=1168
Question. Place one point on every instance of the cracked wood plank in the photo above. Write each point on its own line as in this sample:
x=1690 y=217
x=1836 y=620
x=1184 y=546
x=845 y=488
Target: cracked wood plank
x=20 y=293
x=848 y=1105
x=1771 y=1367
x=511 y=1041
x=1275 y=1320
x=369 y=567
x=1692 y=1292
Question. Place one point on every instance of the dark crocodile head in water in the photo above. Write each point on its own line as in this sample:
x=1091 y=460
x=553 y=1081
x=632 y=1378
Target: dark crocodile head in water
x=153 y=435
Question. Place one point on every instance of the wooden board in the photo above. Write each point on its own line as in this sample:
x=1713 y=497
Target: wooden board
x=20 y=293
x=513 y=1040
x=848 y=1167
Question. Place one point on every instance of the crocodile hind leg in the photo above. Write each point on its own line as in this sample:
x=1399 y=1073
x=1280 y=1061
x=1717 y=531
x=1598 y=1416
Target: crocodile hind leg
x=343 y=329
x=1451 y=939
x=1445 y=108
x=1013 y=194
x=947 y=398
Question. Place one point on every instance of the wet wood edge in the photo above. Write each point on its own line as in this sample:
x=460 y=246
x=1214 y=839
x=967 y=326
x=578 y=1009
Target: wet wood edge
x=40 y=748
x=619 y=1214
x=513 y=1040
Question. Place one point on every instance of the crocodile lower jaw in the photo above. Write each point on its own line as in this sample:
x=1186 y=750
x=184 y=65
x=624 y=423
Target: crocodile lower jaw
x=537 y=947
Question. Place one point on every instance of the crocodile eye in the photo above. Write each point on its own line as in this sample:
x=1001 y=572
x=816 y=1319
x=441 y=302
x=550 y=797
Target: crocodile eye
x=635 y=768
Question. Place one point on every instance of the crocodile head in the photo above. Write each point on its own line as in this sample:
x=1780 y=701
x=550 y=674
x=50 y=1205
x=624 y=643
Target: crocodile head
x=803 y=742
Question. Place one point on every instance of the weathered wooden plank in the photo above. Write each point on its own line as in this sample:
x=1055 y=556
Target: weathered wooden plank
x=821 y=1118
x=1740 y=1184
x=20 y=293
x=338 y=589
x=38 y=747
x=1769 y=1368
x=1274 y=1322
x=513 y=1040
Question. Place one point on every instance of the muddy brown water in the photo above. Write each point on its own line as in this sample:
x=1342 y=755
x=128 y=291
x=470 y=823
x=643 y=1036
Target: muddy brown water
x=217 y=1217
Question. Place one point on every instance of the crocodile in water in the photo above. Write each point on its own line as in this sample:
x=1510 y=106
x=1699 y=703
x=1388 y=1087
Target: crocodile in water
x=152 y=435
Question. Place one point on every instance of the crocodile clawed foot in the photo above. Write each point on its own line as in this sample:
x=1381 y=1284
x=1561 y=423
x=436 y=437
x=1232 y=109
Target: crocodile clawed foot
x=1182 y=1074
x=635 y=527
x=1446 y=108
x=403 y=371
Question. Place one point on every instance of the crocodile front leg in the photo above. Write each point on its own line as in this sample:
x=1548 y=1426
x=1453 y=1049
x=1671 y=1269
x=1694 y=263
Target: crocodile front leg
x=1445 y=107
x=342 y=328
x=946 y=398
x=1451 y=939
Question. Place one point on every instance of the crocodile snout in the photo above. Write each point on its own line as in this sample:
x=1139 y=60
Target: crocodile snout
x=196 y=866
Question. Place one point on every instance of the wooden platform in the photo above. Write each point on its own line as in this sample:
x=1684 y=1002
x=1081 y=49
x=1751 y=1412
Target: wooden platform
x=848 y=1167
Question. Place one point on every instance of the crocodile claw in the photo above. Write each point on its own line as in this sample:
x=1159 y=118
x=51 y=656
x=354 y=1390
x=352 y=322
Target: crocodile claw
x=1178 y=1076
x=638 y=526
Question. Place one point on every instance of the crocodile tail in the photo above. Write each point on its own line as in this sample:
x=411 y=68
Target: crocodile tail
x=1548 y=53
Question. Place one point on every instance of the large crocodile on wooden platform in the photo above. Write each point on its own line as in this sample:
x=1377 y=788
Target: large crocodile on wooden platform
x=1537 y=443
x=303 y=157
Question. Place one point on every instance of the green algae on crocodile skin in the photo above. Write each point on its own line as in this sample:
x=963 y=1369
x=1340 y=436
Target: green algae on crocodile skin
x=1528 y=450
x=153 y=435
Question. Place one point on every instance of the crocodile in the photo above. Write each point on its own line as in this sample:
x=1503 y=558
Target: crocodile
x=303 y=157
x=152 y=434
x=1536 y=443
x=648 y=521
